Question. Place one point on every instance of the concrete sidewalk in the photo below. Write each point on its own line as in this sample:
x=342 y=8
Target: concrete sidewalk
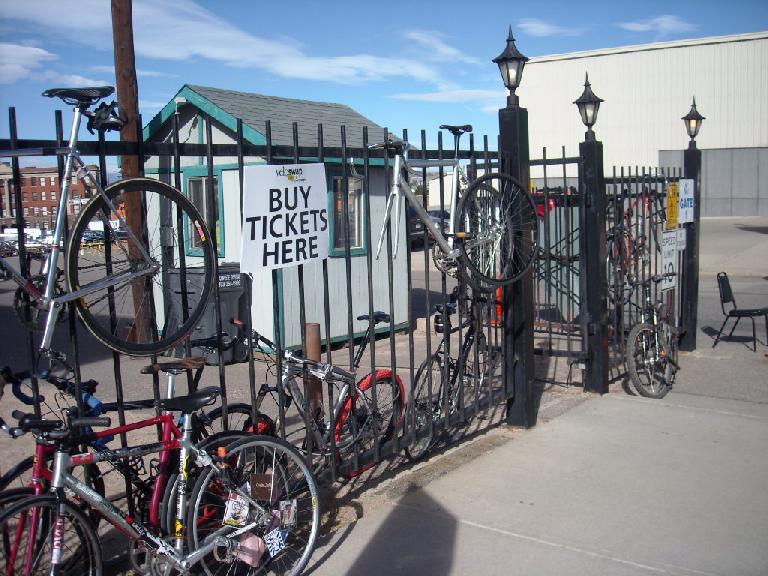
x=616 y=485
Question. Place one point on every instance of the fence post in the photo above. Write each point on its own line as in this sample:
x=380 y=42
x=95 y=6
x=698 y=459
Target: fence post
x=690 y=276
x=517 y=299
x=592 y=273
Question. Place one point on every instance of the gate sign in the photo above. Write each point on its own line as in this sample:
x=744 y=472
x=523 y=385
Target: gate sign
x=285 y=216
x=672 y=205
x=686 y=202
x=669 y=259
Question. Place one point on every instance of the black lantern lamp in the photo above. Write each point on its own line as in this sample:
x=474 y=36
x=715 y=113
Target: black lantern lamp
x=693 y=122
x=588 y=104
x=511 y=63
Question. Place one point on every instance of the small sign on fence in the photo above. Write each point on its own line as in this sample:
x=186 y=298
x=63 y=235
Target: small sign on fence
x=672 y=205
x=686 y=201
x=285 y=216
x=669 y=259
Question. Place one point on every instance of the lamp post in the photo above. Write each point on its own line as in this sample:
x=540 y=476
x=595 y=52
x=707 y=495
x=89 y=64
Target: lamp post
x=517 y=299
x=511 y=63
x=588 y=104
x=693 y=122
x=593 y=283
x=690 y=277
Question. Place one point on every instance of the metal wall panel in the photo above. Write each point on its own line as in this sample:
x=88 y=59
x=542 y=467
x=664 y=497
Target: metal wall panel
x=647 y=89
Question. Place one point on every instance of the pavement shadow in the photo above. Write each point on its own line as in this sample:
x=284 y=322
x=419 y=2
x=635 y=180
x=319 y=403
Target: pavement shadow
x=417 y=533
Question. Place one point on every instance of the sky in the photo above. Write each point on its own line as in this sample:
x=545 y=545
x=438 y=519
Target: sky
x=403 y=64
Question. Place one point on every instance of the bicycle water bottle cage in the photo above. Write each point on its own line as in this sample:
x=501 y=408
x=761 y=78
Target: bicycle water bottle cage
x=80 y=96
x=107 y=117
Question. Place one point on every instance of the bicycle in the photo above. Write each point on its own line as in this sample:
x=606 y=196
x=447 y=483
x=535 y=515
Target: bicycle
x=273 y=525
x=445 y=386
x=149 y=229
x=492 y=233
x=627 y=245
x=33 y=475
x=651 y=354
x=365 y=414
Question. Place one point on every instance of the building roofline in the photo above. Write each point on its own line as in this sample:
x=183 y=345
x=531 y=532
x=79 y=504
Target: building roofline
x=650 y=47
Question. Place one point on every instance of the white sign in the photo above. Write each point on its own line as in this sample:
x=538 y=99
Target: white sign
x=669 y=259
x=685 y=202
x=285 y=216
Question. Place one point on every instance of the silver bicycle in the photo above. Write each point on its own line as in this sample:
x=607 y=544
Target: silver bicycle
x=492 y=232
x=139 y=259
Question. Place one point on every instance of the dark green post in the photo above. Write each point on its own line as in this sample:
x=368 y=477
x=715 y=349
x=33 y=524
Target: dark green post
x=517 y=299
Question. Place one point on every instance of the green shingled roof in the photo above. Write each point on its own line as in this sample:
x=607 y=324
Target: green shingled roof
x=254 y=110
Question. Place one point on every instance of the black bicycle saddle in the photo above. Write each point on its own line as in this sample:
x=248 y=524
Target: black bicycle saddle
x=80 y=95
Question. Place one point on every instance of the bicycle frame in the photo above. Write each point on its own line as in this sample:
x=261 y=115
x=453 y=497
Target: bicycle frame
x=401 y=187
x=73 y=163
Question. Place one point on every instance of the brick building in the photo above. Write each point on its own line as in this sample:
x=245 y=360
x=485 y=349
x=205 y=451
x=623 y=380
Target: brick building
x=40 y=189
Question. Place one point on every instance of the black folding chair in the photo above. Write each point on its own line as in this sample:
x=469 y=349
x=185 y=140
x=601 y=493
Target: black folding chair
x=726 y=297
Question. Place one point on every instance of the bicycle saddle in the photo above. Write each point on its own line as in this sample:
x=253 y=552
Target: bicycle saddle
x=377 y=317
x=80 y=95
x=190 y=403
x=457 y=130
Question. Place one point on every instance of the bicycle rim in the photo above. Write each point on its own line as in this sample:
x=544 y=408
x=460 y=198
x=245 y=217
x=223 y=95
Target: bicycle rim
x=26 y=531
x=425 y=407
x=497 y=230
x=275 y=474
x=647 y=363
x=152 y=312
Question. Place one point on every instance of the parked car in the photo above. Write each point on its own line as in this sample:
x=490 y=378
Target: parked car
x=416 y=232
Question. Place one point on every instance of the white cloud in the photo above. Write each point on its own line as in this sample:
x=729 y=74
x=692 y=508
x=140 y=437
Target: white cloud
x=18 y=62
x=540 y=28
x=67 y=80
x=182 y=30
x=455 y=96
x=663 y=26
x=438 y=49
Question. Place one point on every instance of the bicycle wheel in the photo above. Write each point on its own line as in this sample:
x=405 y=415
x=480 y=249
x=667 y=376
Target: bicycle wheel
x=238 y=420
x=425 y=406
x=26 y=532
x=369 y=421
x=143 y=315
x=648 y=360
x=497 y=231
x=286 y=513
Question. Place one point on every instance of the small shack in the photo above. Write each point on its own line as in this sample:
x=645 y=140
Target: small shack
x=192 y=105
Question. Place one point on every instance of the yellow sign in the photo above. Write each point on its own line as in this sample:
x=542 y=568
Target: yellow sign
x=672 y=205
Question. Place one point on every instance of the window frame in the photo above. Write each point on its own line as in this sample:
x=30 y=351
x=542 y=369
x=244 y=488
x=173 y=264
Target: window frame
x=361 y=249
x=192 y=173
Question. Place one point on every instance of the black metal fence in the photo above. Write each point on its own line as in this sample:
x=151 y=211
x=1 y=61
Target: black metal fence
x=351 y=288
x=635 y=222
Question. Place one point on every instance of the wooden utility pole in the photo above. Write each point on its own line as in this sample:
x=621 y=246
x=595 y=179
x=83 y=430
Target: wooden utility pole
x=128 y=97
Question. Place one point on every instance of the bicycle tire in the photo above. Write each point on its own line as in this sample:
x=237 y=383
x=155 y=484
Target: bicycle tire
x=364 y=434
x=426 y=407
x=167 y=512
x=288 y=480
x=497 y=231
x=649 y=369
x=110 y=313
x=30 y=523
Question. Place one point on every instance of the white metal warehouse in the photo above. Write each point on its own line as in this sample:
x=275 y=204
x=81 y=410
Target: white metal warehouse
x=647 y=90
